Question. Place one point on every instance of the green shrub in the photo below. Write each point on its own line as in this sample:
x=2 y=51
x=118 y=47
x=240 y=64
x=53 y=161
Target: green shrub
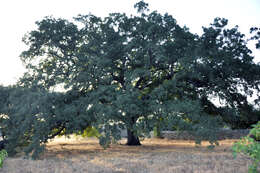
x=89 y=132
x=250 y=146
x=3 y=155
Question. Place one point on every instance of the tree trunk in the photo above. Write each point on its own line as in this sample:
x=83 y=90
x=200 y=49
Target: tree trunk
x=2 y=144
x=132 y=139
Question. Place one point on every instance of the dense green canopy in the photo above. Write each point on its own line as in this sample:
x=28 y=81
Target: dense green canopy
x=130 y=72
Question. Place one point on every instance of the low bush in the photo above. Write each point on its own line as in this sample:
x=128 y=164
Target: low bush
x=250 y=146
x=3 y=155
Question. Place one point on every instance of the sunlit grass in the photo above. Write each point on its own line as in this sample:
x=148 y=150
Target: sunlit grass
x=79 y=155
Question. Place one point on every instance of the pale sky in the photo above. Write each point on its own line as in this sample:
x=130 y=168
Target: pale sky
x=17 y=17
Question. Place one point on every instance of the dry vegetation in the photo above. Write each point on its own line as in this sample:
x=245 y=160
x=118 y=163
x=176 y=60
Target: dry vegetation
x=154 y=156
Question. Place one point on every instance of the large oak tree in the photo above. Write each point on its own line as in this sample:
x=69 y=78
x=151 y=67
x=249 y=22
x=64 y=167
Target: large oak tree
x=135 y=72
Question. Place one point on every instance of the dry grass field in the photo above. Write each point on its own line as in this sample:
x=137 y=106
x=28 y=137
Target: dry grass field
x=154 y=156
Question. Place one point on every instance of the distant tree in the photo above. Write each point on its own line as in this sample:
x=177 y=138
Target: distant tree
x=134 y=72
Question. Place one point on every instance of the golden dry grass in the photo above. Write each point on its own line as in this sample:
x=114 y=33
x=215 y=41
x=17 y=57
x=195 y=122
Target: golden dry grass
x=154 y=156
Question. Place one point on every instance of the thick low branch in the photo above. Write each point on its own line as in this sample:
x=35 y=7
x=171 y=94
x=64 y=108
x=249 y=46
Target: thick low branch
x=57 y=133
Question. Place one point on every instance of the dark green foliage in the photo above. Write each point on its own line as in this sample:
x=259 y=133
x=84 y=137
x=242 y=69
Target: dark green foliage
x=132 y=73
x=256 y=36
x=32 y=117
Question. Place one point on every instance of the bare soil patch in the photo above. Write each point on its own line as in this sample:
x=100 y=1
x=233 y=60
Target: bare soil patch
x=155 y=155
